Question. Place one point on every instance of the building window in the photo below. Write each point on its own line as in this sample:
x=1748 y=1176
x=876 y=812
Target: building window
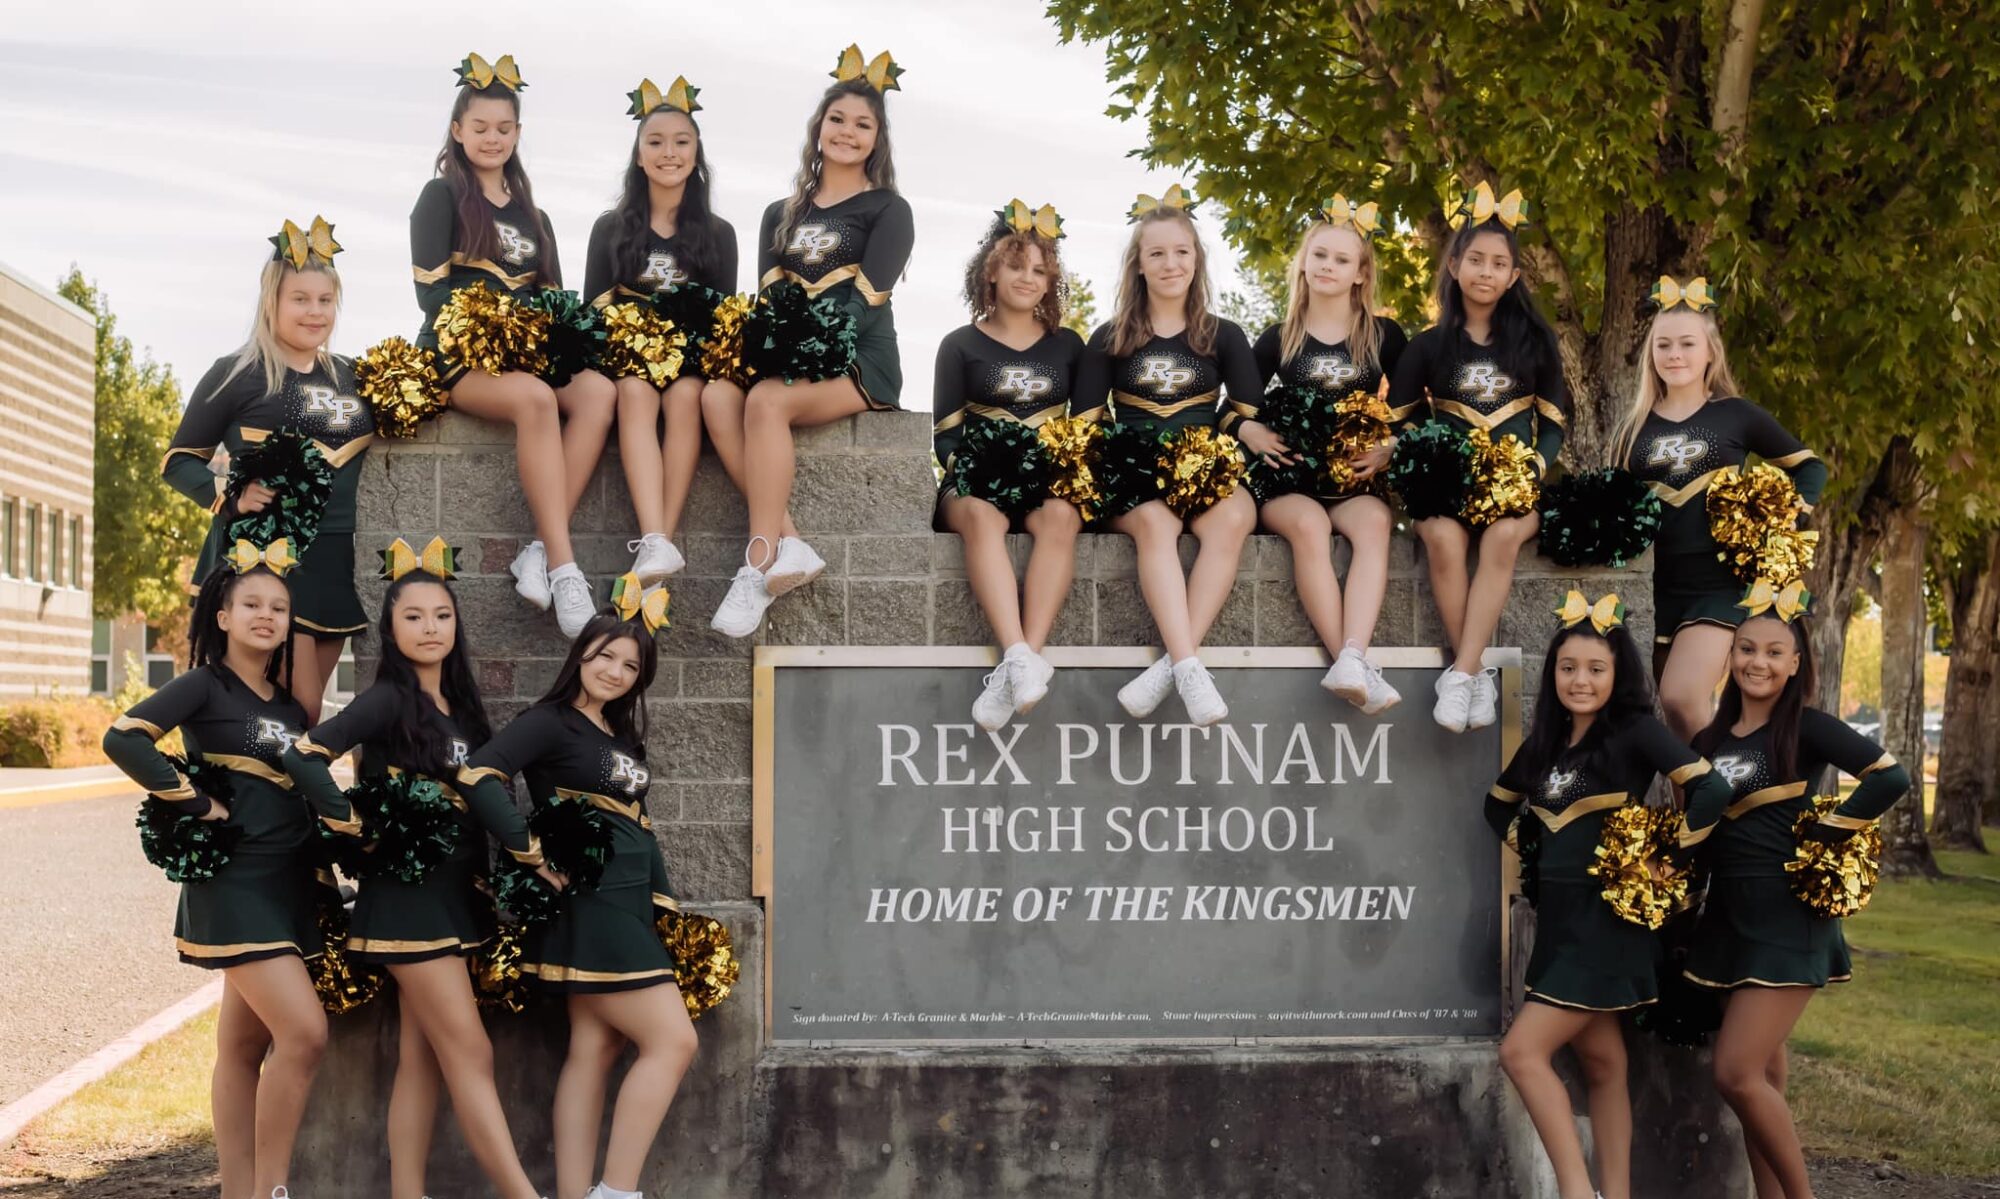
x=76 y=552
x=159 y=664
x=100 y=657
x=34 y=564
x=10 y=547
x=55 y=547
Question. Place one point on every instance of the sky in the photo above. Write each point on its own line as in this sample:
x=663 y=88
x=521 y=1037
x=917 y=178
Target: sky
x=157 y=145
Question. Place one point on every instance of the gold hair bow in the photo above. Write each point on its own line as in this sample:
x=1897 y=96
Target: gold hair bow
x=1043 y=221
x=245 y=557
x=1175 y=197
x=1340 y=212
x=1479 y=206
x=481 y=74
x=300 y=246
x=881 y=72
x=646 y=99
x=437 y=559
x=1604 y=615
x=1787 y=603
x=631 y=599
x=1695 y=293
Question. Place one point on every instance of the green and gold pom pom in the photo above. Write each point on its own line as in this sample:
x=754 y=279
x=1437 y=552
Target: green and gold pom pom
x=1072 y=445
x=1506 y=479
x=705 y=965
x=1001 y=462
x=1834 y=878
x=342 y=983
x=1638 y=861
x=575 y=335
x=400 y=381
x=491 y=331
x=722 y=346
x=1198 y=469
x=498 y=981
x=1754 y=516
x=638 y=341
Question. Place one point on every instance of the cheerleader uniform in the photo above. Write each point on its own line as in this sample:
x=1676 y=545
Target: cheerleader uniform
x=263 y=902
x=231 y=411
x=606 y=283
x=1586 y=956
x=1445 y=375
x=602 y=939
x=1164 y=385
x=980 y=378
x=853 y=251
x=1753 y=931
x=524 y=258
x=1679 y=459
x=1317 y=365
x=445 y=914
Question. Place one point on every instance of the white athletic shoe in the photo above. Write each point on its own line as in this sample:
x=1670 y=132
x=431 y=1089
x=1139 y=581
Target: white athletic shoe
x=1140 y=696
x=1198 y=694
x=530 y=569
x=1454 y=700
x=742 y=610
x=1348 y=676
x=995 y=705
x=795 y=566
x=657 y=558
x=1381 y=696
x=1031 y=681
x=1485 y=698
x=574 y=607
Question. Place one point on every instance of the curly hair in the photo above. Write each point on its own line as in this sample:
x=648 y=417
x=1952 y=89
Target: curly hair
x=1008 y=247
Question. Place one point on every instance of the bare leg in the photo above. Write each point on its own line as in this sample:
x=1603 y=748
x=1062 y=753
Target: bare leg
x=529 y=405
x=1600 y=1050
x=1499 y=548
x=680 y=451
x=1221 y=531
x=1155 y=532
x=639 y=451
x=983 y=528
x=770 y=461
x=722 y=416
x=1446 y=544
x=1527 y=1054
x=1303 y=523
x=1696 y=663
x=593 y=1049
x=1051 y=565
x=587 y=402
x=1755 y=1024
x=241 y=1041
x=655 y=1021
x=307 y=682
x=281 y=993
x=413 y=1106
x=1368 y=526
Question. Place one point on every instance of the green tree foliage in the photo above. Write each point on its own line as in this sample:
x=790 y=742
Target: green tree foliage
x=1082 y=313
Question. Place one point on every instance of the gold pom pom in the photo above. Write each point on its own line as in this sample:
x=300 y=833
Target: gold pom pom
x=1199 y=468
x=1506 y=478
x=639 y=341
x=705 y=965
x=491 y=331
x=1754 y=516
x=722 y=349
x=1834 y=878
x=400 y=381
x=1644 y=882
x=1361 y=425
x=497 y=980
x=343 y=984
x=1072 y=444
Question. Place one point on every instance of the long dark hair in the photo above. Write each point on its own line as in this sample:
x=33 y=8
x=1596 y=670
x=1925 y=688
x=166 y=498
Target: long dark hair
x=1631 y=699
x=208 y=645
x=476 y=235
x=880 y=168
x=1522 y=337
x=414 y=741
x=627 y=714
x=1782 y=730
x=633 y=218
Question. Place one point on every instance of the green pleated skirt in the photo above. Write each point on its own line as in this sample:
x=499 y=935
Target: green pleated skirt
x=445 y=915
x=262 y=904
x=1755 y=933
x=602 y=940
x=1585 y=957
x=878 y=364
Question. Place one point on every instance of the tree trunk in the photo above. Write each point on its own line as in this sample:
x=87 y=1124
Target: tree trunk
x=1906 y=851
x=1967 y=758
x=1850 y=533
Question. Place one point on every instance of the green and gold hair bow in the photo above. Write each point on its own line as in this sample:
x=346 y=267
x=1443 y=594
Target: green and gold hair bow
x=648 y=99
x=1175 y=197
x=1042 y=222
x=437 y=558
x=1694 y=293
x=300 y=246
x=479 y=74
x=1787 y=603
x=1479 y=206
x=245 y=557
x=631 y=600
x=1604 y=615
x=880 y=72
x=1342 y=213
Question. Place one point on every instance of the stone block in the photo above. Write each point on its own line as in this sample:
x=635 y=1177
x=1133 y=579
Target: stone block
x=704 y=678
x=699 y=739
x=708 y=861
x=397 y=496
x=896 y=556
x=888 y=612
x=482 y=492
x=715 y=803
x=815 y=614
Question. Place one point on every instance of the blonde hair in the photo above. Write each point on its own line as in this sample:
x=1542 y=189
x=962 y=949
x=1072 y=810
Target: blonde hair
x=262 y=344
x=1716 y=380
x=1363 y=338
x=1131 y=323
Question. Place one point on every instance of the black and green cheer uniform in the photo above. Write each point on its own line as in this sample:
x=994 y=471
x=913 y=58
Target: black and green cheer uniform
x=263 y=903
x=231 y=409
x=523 y=257
x=1679 y=459
x=1331 y=369
x=603 y=937
x=1586 y=956
x=980 y=378
x=1444 y=374
x=1753 y=931
x=446 y=913
x=606 y=283
x=855 y=252
x=1165 y=385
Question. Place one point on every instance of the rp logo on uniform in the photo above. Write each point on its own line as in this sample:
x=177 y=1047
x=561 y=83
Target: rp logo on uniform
x=339 y=410
x=1677 y=450
x=662 y=271
x=274 y=732
x=626 y=772
x=513 y=247
x=1486 y=380
x=812 y=243
x=1164 y=376
x=1735 y=769
x=1023 y=382
x=1330 y=371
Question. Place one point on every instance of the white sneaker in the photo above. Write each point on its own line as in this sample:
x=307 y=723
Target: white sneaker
x=1454 y=700
x=795 y=565
x=530 y=569
x=1348 y=676
x=742 y=610
x=657 y=558
x=1381 y=696
x=1031 y=681
x=1198 y=694
x=1140 y=696
x=1484 y=700
x=995 y=705
x=574 y=606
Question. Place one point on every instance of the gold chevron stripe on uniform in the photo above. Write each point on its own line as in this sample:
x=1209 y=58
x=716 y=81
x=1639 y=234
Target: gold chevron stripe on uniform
x=1757 y=799
x=132 y=724
x=1787 y=461
x=1693 y=770
x=876 y=298
x=439 y=273
x=336 y=456
x=814 y=287
x=531 y=856
x=1856 y=823
x=1674 y=497
x=635 y=812
x=1882 y=763
x=1120 y=399
x=1548 y=409
x=471 y=776
x=1503 y=794
x=1581 y=808
x=1485 y=420
x=1690 y=837
x=667 y=902
x=450 y=792
x=250 y=766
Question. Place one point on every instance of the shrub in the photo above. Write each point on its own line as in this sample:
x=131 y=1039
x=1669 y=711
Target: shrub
x=57 y=731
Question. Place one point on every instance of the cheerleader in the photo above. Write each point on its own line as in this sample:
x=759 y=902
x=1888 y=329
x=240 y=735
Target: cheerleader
x=1168 y=358
x=662 y=235
x=1756 y=940
x=1686 y=423
x=844 y=232
x=476 y=222
x=1331 y=345
x=1489 y=363
x=255 y=919
x=283 y=379
x=1014 y=362
x=420 y=719
x=1594 y=747
x=585 y=741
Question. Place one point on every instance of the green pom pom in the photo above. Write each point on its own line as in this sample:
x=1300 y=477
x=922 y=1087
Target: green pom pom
x=1432 y=470
x=291 y=466
x=575 y=337
x=1129 y=467
x=1001 y=462
x=576 y=839
x=518 y=890
x=1598 y=518
x=1304 y=419
x=410 y=826
x=793 y=337
x=187 y=848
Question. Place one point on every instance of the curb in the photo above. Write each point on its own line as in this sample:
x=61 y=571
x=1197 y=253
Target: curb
x=53 y=793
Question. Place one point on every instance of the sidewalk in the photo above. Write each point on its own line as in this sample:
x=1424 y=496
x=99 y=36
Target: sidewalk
x=28 y=786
